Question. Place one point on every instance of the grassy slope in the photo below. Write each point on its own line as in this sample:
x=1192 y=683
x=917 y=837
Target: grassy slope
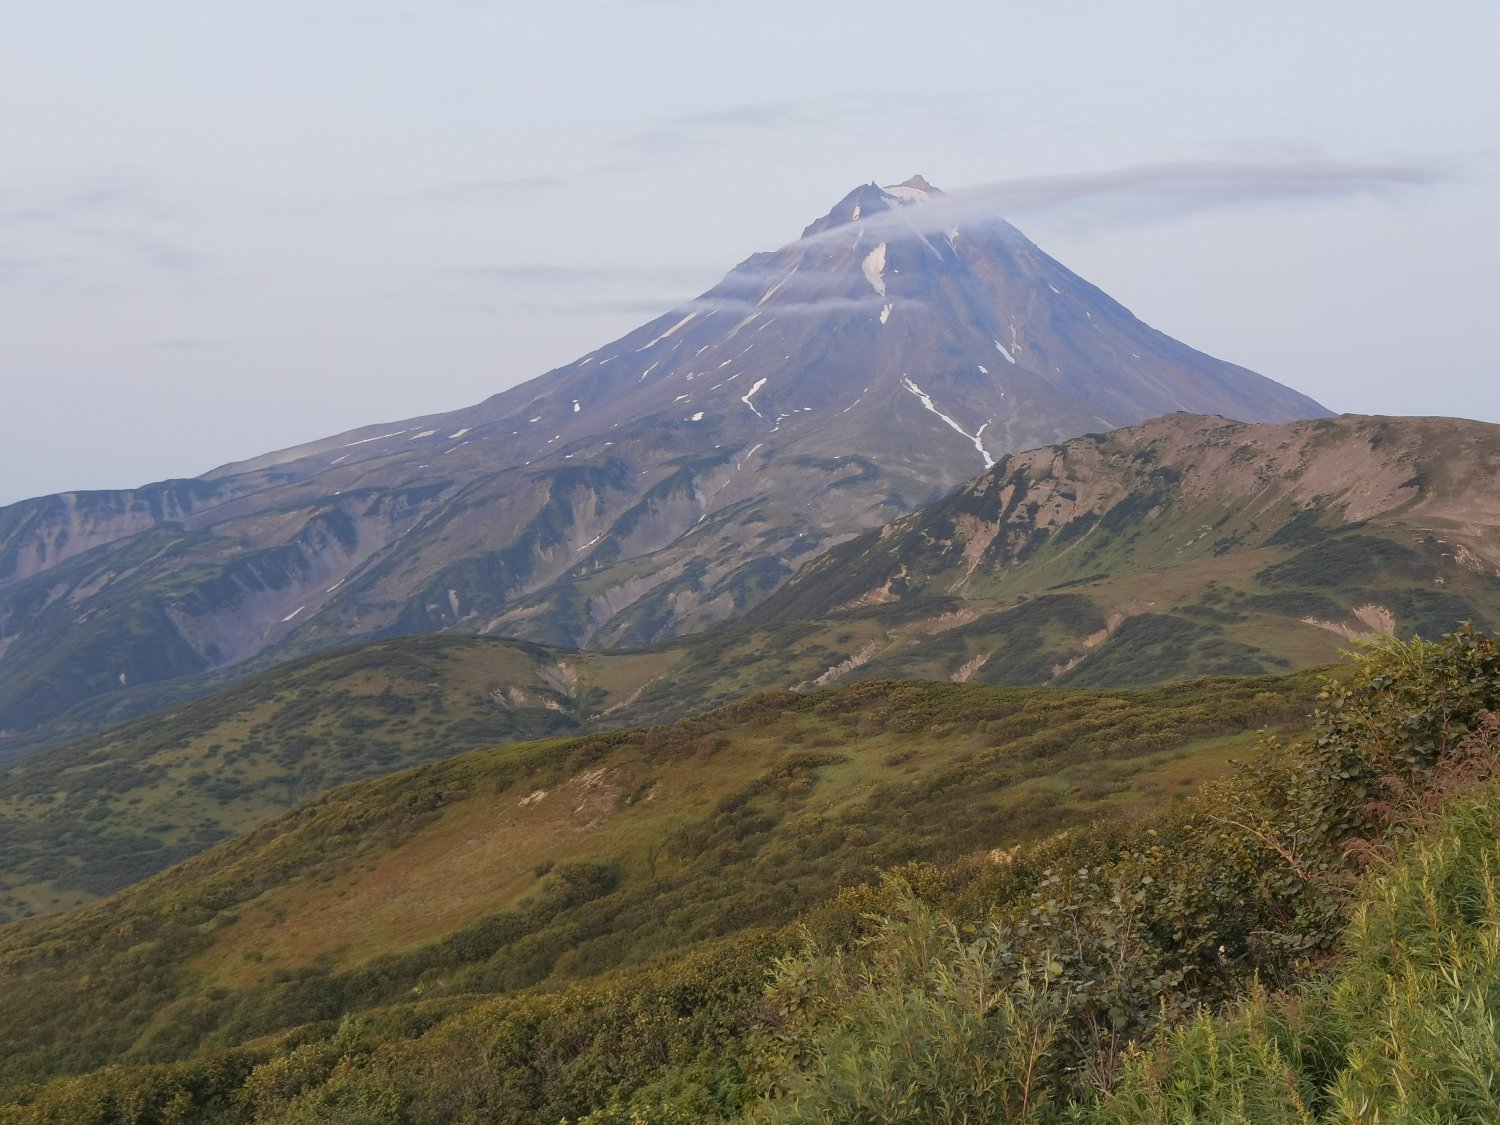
x=94 y=815
x=97 y=814
x=567 y=858
x=1137 y=611
x=1354 y=869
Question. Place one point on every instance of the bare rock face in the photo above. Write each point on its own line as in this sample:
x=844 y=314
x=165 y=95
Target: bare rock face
x=667 y=481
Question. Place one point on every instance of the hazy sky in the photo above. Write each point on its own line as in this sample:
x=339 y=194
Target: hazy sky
x=228 y=227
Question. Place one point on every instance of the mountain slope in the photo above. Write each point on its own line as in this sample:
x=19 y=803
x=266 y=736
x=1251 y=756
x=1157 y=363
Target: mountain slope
x=1128 y=971
x=94 y=815
x=667 y=481
x=562 y=859
x=1183 y=546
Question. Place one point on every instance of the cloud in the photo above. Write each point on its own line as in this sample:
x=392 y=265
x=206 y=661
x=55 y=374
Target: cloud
x=1151 y=193
x=652 y=309
x=94 y=199
x=1210 y=183
x=540 y=273
x=93 y=234
x=183 y=344
x=788 y=308
x=482 y=192
x=13 y=269
x=691 y=131
x=116 y=198
x=26 y=215
x=626 y=306
x=1117 y=197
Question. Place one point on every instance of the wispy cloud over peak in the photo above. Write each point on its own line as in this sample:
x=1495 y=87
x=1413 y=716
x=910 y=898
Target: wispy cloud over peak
x=1151 y=193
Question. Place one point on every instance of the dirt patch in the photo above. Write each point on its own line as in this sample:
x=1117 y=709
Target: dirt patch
x=1376 y=619
x=969 y=667
x=843 y=667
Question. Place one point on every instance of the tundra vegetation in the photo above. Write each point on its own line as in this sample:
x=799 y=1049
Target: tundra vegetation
x=1309 y=936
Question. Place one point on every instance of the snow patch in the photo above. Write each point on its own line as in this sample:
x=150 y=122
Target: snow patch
x=771 y=291
x=999 y=347
x=989 y=462
x=576 y=407
x=983 y=368
x=460 y=433
x=669 y=331
x=424 y=433
x=885 y=313
x=294 y=613
x=377 y=437
x=748 y=395
x=698 y=417
x=874 y=269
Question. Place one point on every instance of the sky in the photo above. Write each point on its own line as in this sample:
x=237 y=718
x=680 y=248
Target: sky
x=230 y=226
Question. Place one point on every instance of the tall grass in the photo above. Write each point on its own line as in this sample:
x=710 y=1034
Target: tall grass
x=1404 y=1031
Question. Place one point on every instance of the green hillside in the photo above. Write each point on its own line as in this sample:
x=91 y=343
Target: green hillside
x=1332 y=900
x=562 y=859
x=97 y=814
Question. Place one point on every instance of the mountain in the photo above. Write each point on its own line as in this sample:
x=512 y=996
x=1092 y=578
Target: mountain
x=1183 y=546
x=667 y=481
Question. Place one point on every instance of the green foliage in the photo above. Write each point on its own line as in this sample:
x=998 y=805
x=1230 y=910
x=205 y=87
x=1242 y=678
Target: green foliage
x=849 y=781
x=1199 y=966
x=87 y=816
x=921 y=1022
x=1402 y=1029
x=1299 y=531
x=1152 y=647
x=1344 y=561
x=1254 y=882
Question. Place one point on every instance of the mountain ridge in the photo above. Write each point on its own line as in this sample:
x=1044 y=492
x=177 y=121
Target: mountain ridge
x=658 y=485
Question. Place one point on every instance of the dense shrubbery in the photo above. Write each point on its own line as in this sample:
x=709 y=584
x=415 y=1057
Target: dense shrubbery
x=1235 y=958
x=1034 y=1008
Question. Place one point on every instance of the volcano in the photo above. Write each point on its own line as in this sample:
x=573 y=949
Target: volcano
x=663 y=483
